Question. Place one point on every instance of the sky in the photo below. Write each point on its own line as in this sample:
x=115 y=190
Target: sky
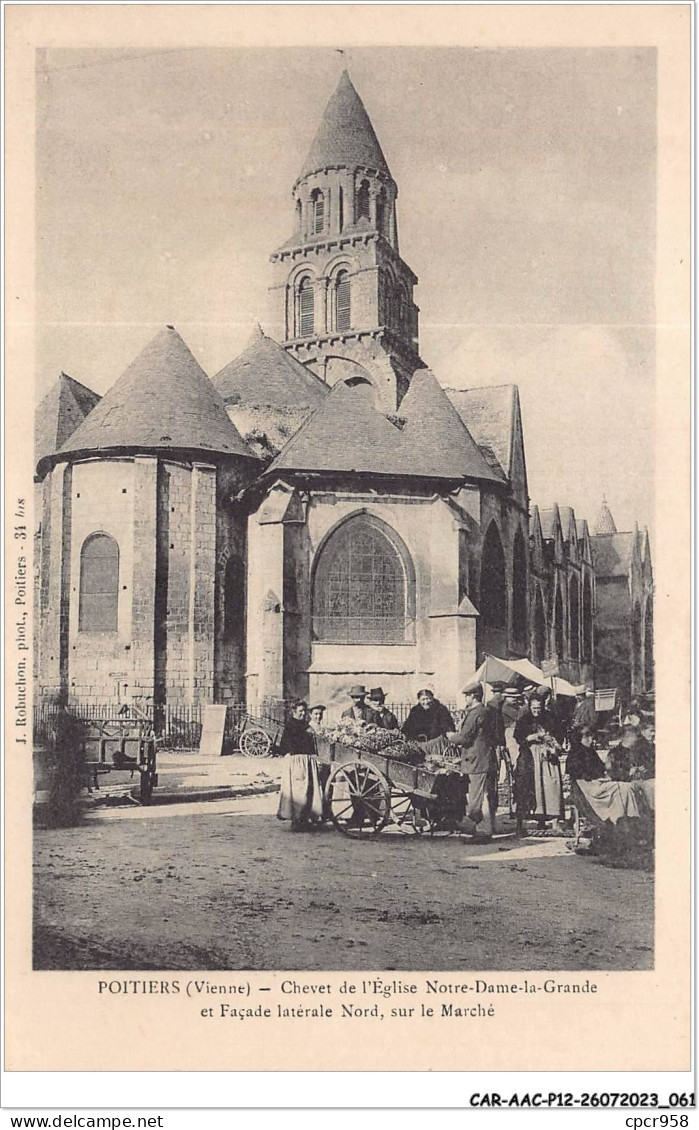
x=526 y=207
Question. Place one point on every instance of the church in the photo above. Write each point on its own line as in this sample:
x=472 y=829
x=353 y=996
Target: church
x=320 y=512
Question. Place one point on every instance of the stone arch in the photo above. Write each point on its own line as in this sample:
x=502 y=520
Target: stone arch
x=304 y=306
x=363 y=584
x=317 y=212
x=340 y=296
x=363 y=206
x=493 y=586
x=345 y=369
x=519 y=590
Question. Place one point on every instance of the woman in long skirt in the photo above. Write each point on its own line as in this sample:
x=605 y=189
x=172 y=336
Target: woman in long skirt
x=301 y=799
x=538 y=783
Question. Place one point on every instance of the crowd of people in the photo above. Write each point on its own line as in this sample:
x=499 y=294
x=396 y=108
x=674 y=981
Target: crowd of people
x=522 y=734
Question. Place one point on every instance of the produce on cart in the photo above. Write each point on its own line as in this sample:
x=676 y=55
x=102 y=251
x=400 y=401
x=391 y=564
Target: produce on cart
x=380 y=780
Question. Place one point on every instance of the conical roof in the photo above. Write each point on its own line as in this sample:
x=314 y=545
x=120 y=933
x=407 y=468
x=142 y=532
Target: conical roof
x=346 y=433
x=604 y=523
x=439 y=441
x=61 y=411
x=163 y=400
x=345 y=135
x=265 y=374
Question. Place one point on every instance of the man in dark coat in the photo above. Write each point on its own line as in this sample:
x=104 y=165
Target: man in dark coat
x=382 y=715
x=476 y=738
x=358 y=711
x=428 y=720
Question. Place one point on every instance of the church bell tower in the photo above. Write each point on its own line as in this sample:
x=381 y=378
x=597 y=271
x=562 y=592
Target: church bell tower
x=342 y=294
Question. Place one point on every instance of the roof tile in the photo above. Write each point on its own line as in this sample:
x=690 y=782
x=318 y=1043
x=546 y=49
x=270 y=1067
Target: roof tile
x=163 y=400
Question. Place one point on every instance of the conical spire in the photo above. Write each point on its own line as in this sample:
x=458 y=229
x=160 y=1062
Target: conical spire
x=61 y=411
x=346 y=433
x=265 y=373
x=438 y=436
x=604 y=523
x=163 y=400
x=345 y=135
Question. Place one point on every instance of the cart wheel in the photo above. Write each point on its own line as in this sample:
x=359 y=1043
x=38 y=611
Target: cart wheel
x=359 y=798
x=402 y=812
x=255 y=743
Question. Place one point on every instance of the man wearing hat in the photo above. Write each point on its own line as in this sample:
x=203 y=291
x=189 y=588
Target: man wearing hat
x=478 y=759
x=382 y=715
x=585 y=713
x=358 y=711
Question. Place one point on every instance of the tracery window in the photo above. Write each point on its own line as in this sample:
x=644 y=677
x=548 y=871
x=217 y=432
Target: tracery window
x=362 y=591
x=99 y=584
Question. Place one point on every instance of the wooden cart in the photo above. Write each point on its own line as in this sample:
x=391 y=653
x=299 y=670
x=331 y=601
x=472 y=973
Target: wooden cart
x=366 y=791
x=122 y=741
x=259 y=737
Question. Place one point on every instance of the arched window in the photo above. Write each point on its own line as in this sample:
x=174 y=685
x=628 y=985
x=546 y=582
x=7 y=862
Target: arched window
x=559 y=626
x=587 y=619
x=362 y=589
x=519 y=590
x=539 y=629
x=574 y=608
x=305 y=313
x=363 y=200
x=342 y=301
x=299 y=214
x=493 y=606
x=317 y=212
x=341 y=209
x=99 y=584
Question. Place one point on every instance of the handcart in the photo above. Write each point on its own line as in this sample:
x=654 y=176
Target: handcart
x=367 y=791
x=259 y=737
x=124 y=740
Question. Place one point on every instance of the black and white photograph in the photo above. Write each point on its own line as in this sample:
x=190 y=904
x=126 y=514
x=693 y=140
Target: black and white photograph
x=344 y=509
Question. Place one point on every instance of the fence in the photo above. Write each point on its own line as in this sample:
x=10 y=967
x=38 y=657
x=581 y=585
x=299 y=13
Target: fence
x=179 y=726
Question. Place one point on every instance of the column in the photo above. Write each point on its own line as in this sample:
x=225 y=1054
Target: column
x=144 y=558
x=202 y=574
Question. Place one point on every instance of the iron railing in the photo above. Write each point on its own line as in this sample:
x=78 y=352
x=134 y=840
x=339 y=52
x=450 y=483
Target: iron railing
x=179 y=726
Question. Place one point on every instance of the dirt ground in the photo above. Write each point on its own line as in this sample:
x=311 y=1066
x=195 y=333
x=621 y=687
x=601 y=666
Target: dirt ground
x=225 y=885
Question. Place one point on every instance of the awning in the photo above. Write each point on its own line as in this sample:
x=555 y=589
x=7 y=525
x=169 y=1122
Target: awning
x=508 y=671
